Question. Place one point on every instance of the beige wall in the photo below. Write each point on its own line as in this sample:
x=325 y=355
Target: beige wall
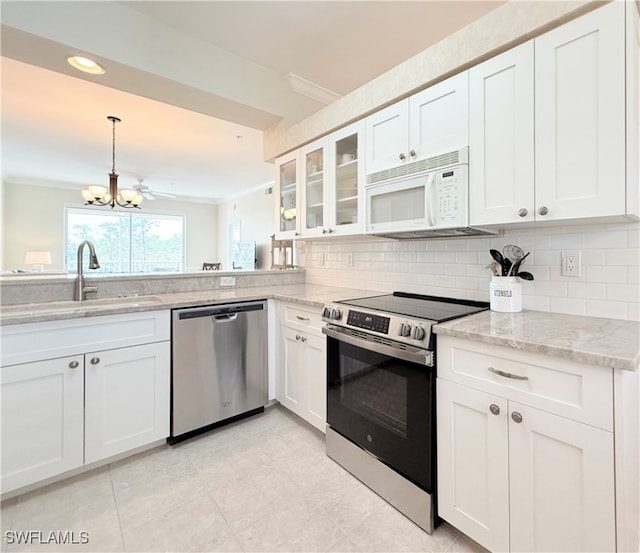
x=33 y=219
x=255 y=213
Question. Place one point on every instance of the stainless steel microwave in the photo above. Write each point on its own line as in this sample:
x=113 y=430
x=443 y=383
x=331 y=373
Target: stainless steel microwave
x=427 y=198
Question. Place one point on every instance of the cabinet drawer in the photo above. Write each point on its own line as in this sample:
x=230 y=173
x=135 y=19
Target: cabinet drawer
x=28 y=342
x=303 y=318
x=580 y=392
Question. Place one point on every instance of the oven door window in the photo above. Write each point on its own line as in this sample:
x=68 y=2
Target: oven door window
x=384 y=405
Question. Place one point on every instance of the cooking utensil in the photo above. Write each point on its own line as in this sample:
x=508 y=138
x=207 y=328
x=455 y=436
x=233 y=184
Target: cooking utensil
x=516 y=266
x=512 y=252
x=494 y=268
x=524 y=275
x=505 y=264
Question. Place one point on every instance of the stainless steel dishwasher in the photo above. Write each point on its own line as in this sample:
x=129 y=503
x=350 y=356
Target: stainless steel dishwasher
x=219 y=365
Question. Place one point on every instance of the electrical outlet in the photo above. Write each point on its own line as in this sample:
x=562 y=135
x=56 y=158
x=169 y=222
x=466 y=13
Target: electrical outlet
x=227 y=281
x=571 y=263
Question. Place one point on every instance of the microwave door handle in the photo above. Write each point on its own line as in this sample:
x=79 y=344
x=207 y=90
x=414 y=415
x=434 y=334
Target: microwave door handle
x=431 y=198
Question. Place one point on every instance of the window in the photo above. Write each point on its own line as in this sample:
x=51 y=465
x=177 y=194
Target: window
x=127 y=242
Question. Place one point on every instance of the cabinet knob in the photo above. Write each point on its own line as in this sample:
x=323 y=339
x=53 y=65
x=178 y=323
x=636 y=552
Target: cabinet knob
x=324 y=231
x=412 y=153
x=296 y=234
x=495 y=410
x=297 y=337
x=74 y=365
x=402 y=156
x=543 y=210
x=517 y=417
x=523 y=212
x=303 y=339
x=94 y=360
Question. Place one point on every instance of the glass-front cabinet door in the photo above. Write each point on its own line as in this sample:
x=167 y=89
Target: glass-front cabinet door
x=287 y=208
x=348 y=178
x=315 y=190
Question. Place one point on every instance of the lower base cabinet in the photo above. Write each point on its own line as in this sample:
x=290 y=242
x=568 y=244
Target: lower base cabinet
x=301 y=375
x=62 y=413
x=515 y=478
x=526 y=451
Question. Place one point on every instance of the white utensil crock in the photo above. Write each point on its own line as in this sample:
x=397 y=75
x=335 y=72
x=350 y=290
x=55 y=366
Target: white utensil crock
x=505 y=294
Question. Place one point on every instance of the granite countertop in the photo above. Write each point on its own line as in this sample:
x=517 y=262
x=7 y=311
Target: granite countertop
x=610 y=343
x=307 y=294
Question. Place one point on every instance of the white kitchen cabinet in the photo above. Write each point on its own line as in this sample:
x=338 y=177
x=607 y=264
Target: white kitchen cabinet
x=346 y=201
x=301 y=370
x=501 y=154
x=580 y=117
x=525 y=463
x=320 y=187
x=314 y=189
x=286 y=189
x=429 y=123
x=126 y=399
x=59 y=413
x=42 y=420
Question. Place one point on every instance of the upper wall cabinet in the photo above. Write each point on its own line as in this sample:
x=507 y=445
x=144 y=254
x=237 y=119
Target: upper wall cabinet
x=547 y=138
x=286 y=189
x=580 y=117
x=501 y=156
x=432 y=122
x=320 y=187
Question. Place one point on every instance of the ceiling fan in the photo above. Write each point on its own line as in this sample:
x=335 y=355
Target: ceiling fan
x=150 y=194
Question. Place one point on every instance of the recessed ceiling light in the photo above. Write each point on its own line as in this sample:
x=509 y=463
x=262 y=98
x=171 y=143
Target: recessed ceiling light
x=86 y=65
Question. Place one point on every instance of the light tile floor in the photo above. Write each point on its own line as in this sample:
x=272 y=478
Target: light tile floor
x=262 y=484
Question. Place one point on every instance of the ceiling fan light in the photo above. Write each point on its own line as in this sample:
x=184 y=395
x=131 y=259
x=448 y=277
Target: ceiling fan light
x=98 y=192
x=85 y=65
x=128 y=195
x=137 y=200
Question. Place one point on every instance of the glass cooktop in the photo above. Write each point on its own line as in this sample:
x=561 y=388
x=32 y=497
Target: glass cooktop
x=433 y=308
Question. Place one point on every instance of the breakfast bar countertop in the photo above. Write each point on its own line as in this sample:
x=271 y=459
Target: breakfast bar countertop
x=610 y=343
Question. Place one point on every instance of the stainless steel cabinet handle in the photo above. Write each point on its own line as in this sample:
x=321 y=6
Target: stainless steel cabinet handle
x=412 y=153
x=543 y=210
x=508 y=375
x=74 y=365
x=495 y=410
x=523 y=212
x=302 y=318
x=402 y=156
x=517 y=417
x=94 y=360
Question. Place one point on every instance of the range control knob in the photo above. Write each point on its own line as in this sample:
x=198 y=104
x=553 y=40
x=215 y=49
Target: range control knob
x=418 y=333
x=335 y=313
x=326 y=312
x=404 y=330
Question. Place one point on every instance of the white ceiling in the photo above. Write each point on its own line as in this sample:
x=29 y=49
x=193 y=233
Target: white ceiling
x=194 y=83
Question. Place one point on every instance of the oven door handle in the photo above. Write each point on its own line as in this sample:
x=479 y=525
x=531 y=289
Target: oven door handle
x=407 y=353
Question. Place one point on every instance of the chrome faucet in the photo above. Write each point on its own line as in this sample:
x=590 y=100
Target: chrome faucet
x=81 y=289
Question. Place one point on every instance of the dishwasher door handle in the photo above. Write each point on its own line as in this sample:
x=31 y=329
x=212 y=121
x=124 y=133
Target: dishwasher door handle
x=227 y=317
x=219 y=310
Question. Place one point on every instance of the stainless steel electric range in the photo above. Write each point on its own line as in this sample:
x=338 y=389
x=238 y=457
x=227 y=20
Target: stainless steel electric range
x=381 y=381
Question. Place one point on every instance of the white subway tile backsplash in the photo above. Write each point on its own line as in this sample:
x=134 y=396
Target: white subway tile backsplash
x=607 y=287
x=571 y=306
x=607 y=309
x=587 y=290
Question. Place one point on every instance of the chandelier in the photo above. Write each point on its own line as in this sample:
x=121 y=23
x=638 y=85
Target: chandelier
x=99 y=195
